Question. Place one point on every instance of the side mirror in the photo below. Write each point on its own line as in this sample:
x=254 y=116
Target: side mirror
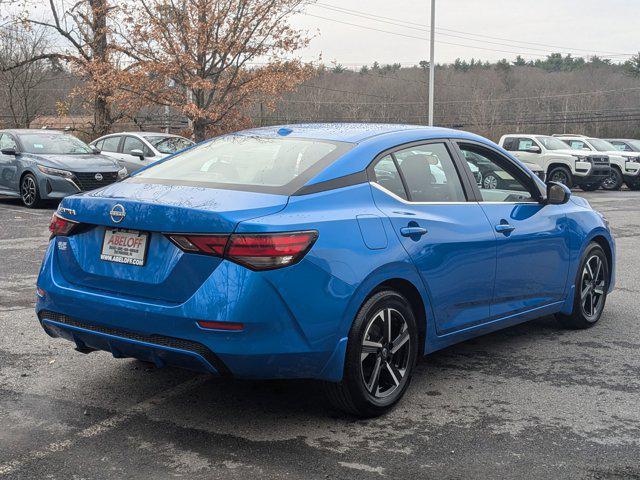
x=533 y=149
x=9 y=151
x=136 y=152
x=557 y=193
x=95 y=149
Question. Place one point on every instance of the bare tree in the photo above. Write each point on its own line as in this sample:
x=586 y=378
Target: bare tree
x=23 y=92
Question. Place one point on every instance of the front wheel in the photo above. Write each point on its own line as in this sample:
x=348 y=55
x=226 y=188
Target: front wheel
x=614 y=180
x=560 y=175
x=591 y=287
x=29 y=192
x=381 y=354
x=490 y=182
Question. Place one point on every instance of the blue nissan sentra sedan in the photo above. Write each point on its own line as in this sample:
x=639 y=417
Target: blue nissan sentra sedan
x=338 y=252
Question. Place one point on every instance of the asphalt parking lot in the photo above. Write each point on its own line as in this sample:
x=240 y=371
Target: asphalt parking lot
x=533 y=401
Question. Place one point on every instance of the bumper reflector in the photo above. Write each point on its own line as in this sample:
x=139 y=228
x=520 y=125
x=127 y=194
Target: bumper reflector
x=221 y=325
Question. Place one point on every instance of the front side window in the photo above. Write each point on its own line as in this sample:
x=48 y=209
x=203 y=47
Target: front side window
x=577 y=145
x=53 y=143
x=623 y=147
x=243 y=161
x=168 y=145
x=525 y=144
x=131 y=144
x=387 y=175
x=430 y=174
x=499 y=180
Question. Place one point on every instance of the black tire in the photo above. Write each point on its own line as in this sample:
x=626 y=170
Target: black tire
x=614 y=180
x=29 y=192
x=360 y=392
x=585 y=313
x=590 y=187
x=562 y=175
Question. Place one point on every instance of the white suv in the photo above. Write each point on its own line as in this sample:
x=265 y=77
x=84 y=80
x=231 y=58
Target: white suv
x=625 y=166
x=584 y=169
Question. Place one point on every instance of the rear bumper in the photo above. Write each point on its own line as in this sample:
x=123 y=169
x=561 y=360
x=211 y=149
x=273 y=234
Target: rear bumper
x=157 y=349
x=274 y=343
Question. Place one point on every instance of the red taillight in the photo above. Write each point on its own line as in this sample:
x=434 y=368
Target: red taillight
x=61 y=226
x=271 y=250
x=209 y=244
x=257 y=251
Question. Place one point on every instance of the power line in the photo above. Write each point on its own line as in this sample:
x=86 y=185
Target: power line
x=420 y=38
x=423 y=27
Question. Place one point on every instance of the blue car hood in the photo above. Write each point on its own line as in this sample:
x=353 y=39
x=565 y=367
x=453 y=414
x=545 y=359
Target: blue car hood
x=171 y=208
x=76 y=163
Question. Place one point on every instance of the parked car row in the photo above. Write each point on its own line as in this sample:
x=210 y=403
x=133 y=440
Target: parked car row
x=579 y=160
x=38 y=165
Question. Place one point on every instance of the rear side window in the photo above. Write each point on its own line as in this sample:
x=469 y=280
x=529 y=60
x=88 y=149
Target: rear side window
x=387 y=176
x=110 y=144
x=510 y=144
x=621 y=146
x=248 y=163
x=430 y=174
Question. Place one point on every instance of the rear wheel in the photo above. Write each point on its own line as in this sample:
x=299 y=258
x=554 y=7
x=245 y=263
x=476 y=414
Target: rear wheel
x=561 y=175
x=591 y=287
x=381 y=354
x=29 y=191
x=614 y=180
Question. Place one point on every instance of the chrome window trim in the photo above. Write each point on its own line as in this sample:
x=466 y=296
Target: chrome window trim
x=400 y=199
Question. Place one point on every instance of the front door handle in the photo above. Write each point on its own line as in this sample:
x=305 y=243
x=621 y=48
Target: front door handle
x=412 y=231
x=505 y=228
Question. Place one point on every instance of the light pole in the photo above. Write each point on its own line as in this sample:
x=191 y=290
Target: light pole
x=432 y=63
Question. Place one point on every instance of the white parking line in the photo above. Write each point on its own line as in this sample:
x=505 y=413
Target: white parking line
x=101 y=427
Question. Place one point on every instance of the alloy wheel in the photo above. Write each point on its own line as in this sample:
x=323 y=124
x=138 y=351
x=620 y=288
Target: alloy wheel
x=29 y=190
x=560 y=177
x=385 y=353
x=490 y=182
x=611 y=181
x=592 y=287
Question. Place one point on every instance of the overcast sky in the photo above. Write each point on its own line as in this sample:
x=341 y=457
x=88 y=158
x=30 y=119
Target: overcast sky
x=583 y=28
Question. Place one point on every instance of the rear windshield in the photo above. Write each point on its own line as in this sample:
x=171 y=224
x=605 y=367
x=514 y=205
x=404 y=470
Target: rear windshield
x=278 y=165
x=54 y=143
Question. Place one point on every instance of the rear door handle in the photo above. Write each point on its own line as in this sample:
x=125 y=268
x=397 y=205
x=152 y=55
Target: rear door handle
x=412 y=231
x=505 y=228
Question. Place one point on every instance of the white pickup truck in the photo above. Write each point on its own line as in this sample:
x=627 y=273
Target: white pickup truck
x=625 y=166
x=562 y=164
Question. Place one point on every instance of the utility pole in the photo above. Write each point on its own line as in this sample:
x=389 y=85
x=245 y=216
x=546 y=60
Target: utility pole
x=432 y=63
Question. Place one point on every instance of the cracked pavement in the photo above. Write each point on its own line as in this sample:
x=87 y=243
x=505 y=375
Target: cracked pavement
x=532 y=401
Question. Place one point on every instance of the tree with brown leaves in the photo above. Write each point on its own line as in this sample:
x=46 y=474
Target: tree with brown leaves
x=213 y=59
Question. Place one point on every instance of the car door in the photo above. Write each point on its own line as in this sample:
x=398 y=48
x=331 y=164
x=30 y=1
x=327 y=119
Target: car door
x=8 y=165
x=134 y=162
x=447 y=237
x=532 y=239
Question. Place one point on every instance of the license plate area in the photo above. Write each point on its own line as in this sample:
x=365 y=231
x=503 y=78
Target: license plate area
x=124 y=246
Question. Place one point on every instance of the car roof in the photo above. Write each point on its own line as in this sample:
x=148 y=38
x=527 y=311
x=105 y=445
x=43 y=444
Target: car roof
x=140 y=134
x=18 y=131
x=344 y=132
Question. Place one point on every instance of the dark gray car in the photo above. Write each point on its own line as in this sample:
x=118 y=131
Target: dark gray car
x=38 y=165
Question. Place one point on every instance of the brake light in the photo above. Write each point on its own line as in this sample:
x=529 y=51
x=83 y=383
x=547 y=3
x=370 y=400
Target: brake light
x=257 y=251
x=61 y=226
